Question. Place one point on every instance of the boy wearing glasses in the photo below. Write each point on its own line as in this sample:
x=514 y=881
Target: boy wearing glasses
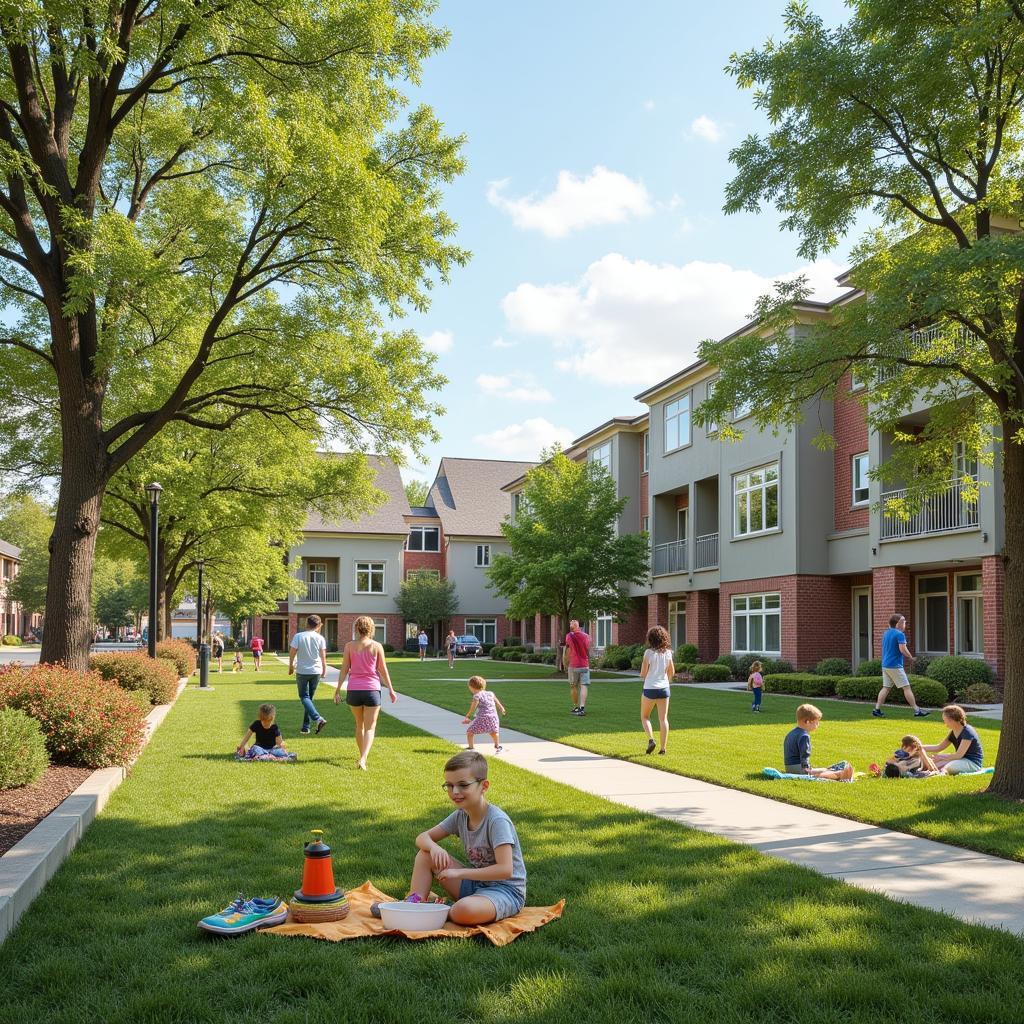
x=494 y=885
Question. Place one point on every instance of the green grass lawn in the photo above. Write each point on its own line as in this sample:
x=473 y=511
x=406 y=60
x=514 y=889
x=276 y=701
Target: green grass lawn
x=716 y=737
x=662 y=923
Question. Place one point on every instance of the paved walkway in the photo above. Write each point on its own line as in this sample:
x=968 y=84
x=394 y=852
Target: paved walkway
x=973 y=886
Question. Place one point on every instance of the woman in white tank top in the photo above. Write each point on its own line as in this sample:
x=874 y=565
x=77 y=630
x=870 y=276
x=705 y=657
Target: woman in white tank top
x=657 y=671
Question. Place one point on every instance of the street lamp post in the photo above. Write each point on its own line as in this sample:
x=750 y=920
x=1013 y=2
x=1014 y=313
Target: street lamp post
x=199 y=605
x=154 y=491
x=202 y=649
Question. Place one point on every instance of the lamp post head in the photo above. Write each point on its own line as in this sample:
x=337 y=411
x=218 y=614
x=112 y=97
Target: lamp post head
x=200 y=562
x=154 y=490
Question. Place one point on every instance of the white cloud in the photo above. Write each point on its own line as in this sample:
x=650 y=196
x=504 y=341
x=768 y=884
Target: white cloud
x=438 y=341
x=518 y=387
x=648 y=104
x=602 y=197
x=630 y=321
x=502 y=343
x=706 y=128
x=523 y=440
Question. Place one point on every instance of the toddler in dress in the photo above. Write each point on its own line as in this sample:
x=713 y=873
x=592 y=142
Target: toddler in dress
x=483 y=710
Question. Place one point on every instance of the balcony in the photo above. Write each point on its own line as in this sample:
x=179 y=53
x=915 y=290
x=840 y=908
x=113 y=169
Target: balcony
x=321 y=593
x=938 y=344
x=946 y=512
x=706 y=552
x=669 y=558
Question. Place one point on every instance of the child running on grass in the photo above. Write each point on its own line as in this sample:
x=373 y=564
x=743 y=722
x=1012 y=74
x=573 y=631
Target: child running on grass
x=269 y=743
x=483 y=713
x=755 y=682
x=796 y=748
x=493 y=887
x=910 y=761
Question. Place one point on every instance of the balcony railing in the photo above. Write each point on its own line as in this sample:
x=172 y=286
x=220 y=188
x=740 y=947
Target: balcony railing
x=944 y=512
x=669 y=558
x=938 y=344
x=706 y=552
x=321 y=593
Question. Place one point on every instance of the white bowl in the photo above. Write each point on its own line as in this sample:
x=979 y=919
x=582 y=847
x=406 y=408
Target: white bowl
x=414 y=917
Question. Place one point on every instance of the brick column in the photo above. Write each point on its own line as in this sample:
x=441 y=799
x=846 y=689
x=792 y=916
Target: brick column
x=993 y=581
x=557 y=632
x=890 y=594
x=633 y=629
x=702 y=623
x=657 y=610
x=257 y=626
x=293 y=626
x=343 y=639
x=542 y=630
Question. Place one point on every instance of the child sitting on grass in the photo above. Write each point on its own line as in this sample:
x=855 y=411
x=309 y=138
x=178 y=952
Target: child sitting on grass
x=269 y=744
x=493 y=887
x=483 y=712
x=796 y=748
x=911 y=761
x=236 y=665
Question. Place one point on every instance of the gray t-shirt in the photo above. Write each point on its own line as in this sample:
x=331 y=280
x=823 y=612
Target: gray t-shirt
x=308 y=644
x=495 y=830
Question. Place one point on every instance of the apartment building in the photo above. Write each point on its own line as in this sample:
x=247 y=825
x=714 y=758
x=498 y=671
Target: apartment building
x=13 y=621
x=356 y=567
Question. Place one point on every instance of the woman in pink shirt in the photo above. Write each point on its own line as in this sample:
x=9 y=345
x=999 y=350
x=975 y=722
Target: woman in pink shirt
x=365 y=666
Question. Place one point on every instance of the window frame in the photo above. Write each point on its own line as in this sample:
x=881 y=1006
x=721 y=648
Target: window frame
x=921 y=637
x=747 y=613
x=422 y=531
x=486 y=550
x=316 y=567
x=676 y=607
x=601 y=455
x=709 y=390
x=674 y=400
x=977 y=600
x=763 y=489
x=470 y=624
x=371 y=572
x=647 y=451
x=854 y=501
x=603 y=623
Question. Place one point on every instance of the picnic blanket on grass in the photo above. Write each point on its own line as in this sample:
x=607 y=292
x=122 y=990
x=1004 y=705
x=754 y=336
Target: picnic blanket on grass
x=360 y=923
x=774 y=773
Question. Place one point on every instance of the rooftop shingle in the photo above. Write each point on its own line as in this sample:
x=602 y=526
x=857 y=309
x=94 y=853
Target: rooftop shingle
x=468 y=496
x=389 y=518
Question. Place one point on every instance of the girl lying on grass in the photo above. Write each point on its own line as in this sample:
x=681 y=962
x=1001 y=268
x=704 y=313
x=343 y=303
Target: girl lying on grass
x=911 y=761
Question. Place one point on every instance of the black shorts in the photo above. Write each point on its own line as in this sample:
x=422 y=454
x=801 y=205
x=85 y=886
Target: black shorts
x=362 y=698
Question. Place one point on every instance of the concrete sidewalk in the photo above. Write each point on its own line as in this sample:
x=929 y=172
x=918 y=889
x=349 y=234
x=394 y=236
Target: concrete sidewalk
x=972 y=886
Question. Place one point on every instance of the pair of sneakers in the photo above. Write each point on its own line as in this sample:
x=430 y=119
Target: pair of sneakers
x=319 y=727
x=579 y=711
x=919 y=713
x=245 y=915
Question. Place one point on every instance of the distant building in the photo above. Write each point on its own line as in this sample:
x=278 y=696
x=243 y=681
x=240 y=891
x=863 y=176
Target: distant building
x=14 y=621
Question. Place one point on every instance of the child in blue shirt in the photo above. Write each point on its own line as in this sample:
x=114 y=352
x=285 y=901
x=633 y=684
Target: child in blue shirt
x=796 y=748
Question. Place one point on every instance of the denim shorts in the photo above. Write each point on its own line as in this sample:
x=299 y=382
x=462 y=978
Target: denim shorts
x=657 y=694
x=507 y=901
x=362 y=698
x=579 y=676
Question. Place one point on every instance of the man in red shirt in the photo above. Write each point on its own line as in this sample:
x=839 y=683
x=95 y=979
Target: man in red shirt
x=578 y=650
x=257 y=650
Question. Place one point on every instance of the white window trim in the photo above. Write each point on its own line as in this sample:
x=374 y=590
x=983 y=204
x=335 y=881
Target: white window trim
x=485 y=564
x=975 y=595
x=712 y=428
x=919 y=632
x=688 y=395
x=598 y=450
x=777 y=528
x=319 y=567
x=854 y=503
x=762 y=611
x=647 y=451
x=602 y=622
x=422 y=531
x=355 y=576
x=855 y=383
x=483 y=624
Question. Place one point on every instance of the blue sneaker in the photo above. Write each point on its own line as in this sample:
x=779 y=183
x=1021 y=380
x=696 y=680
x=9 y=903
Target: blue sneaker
x=877 y=713
x=921 y=713
x=245 y=915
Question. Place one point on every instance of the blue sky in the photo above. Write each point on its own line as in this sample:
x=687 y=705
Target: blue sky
x=598 y=138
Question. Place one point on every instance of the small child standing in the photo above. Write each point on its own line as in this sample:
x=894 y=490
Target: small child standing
x=796 y=748
x=236 y=665
x=483 y=711
x=269 y=743
x=755 y=682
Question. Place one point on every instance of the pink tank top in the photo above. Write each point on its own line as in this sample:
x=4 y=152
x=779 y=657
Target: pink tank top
x=362 y=673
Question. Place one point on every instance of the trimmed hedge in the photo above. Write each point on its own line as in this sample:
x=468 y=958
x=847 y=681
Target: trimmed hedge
x=870 y=667
x=181 y=652
x=957 y=673
x=981 y=693
x=803 y=684
x=687 y=653
x=23 y=757
x=832 y=667
x=929 y=692
x=86 y=720
x=711 y=673
x=156 y=677
x=922 y=663
x=512 y=641
x=12 y=641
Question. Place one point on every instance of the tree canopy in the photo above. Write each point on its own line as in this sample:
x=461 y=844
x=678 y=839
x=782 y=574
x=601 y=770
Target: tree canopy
x=27 y=523
x=416 y=492
x=426 y=601
x=567 y=557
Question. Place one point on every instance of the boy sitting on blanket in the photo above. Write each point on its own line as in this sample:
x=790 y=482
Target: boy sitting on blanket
x=493 y=887
x=269 y=745
x=796 y=749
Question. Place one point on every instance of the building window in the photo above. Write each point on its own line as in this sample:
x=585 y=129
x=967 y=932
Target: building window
x=424 y=538
x=602 y=456
x=317 y=572
x=369 y=577
x=743 y=411
x=969 y=621
x=757 y=624
x=933 y=615
x=860 y=479
x=965 y=466
x=677 y=423
x=602 y=632
x=857 y=380
x=483 y=556
x=380 y=631
x=712 y=428
x=423 y=574
x=645 y=524
x=647 y=450
x=677 y=621
x=756 y=500
x=485 y=630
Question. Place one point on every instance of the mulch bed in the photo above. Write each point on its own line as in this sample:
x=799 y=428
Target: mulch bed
x=23 y=808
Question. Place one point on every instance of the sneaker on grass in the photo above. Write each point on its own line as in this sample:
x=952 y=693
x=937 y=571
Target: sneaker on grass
x=245 y=915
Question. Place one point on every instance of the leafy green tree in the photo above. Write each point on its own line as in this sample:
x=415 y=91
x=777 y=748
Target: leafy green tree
x=209 y=210
x=568 y=558
x=912 y=112
x=120 y=593
x=416 y=492
x=27 y=524
x=426 y=600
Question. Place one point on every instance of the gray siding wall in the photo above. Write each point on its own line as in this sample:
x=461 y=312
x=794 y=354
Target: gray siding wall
x=350 y=550
x=470 y=581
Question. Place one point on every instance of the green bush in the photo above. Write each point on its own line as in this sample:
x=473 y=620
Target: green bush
x=685 y=667
x=776 y=666
x=636 y=662
x=156 y=677
x=619 y=656
x=23 y=757
x=486 y=648
x=388 y=648
x=870 y=667
x=548 y=657
x=832 y=667
x=744 y=661
x=12 y=641
x=957 y=673
x=729 y=660
x=687 y=653
x=512 y=641
x=981 y=693
x=929 y=692
x=535 y=658
x=711 y=673
x=922 y=663
x=181 y=652
x=802 y=684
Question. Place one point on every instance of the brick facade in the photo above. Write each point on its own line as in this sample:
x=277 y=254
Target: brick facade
x=657 y=610
x=501 y=625
x=633 y=630
x=394 y=629
x=413 y=560
x=850 y=430
x=890 y=595
x=702 y=625
x=993 y=581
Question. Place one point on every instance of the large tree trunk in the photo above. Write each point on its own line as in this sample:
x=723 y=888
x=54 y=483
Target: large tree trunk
x=1008 y=780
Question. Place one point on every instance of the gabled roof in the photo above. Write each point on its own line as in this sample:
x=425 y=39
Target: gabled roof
x=467 y=494
x=9 y=550
x=389 y=518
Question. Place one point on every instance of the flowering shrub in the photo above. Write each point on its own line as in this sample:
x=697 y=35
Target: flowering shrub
x=22 y=749
x=86 y=720
x=12 y=641
x=181 y=653
x=157 y=677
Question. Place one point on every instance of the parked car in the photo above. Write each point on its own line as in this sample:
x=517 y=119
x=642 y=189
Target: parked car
x=468 y=645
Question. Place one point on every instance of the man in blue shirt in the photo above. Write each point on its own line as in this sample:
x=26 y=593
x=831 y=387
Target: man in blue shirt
x=894 y=650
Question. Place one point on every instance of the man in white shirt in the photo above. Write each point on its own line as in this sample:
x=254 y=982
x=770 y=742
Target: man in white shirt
x=307 y=659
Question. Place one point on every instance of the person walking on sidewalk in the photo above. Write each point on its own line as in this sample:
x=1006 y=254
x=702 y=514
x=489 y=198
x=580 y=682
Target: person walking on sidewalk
x=577 y=651
x=307 y=660
x=894 y=650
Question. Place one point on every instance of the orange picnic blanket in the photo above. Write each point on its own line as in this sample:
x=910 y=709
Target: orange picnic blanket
x=360 y=923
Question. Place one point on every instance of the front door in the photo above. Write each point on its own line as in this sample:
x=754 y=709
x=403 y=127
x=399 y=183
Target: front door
x=275 y=635
x=861 y=625
x=331 y=633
